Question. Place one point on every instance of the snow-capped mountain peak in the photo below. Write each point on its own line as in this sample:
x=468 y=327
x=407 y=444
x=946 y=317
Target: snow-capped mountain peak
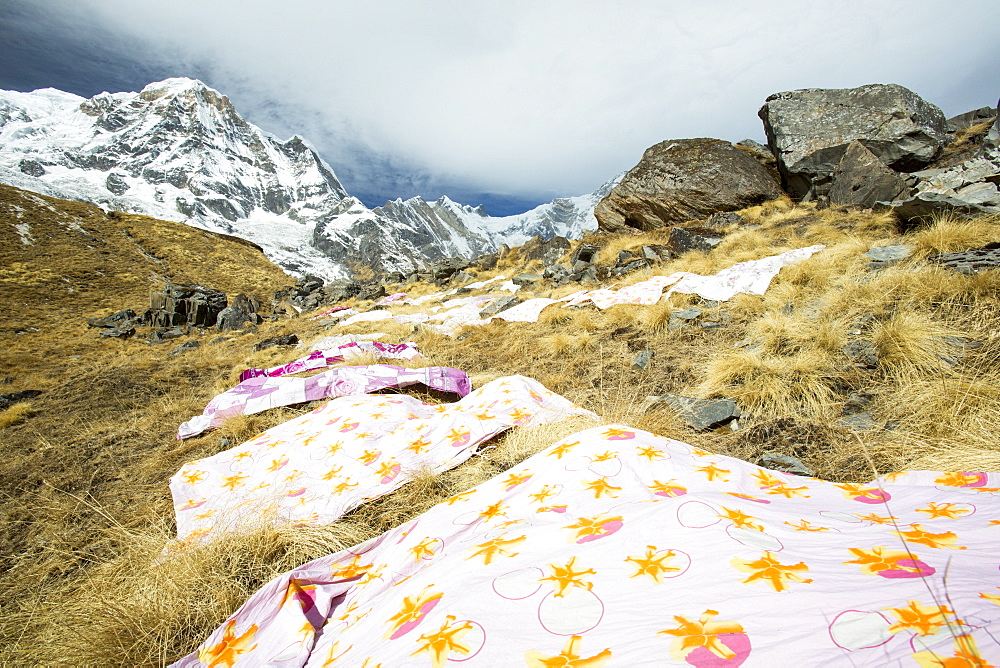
x=179 y=150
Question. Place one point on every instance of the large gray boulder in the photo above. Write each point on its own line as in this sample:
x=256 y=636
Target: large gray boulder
x=809 y=131
x=861 y=179
x=685 y=179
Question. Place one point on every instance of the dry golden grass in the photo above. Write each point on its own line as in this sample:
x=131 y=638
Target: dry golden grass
x=84 y=471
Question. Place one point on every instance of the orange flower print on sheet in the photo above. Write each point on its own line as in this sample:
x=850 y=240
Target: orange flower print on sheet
x=543 y=494
x=569 y=657
x=618 y=434
x=353 y=569
x=891 y=564
x=227 y=651
x=497 y=547
x=193 y=477
x=589 y=529
x=740 y=519
x=343 y=486
x=388 y=470
x=241 y=455
x=493 y=511
x=459 y=437
x=650 y=453
x=994 y=598
x=552 y=509
x=278 y=464
x=332 y=473
x=702 y=642
x=653 y=565
x=962 y=479
x=418 y=446
x=601 y=487
x=369 y=456
x=561 y=449
x=519 y=417
x=671 y=488
x=950 y=511
x=770 y=570
x=446 y=642
x=192 y=504
x=566 y=576
x=940 y=541
x=332 y=450
x=713 y=472
x=966 y=655
x=805 y=525
x=864 y=493
x=231 y=482
x=412 y=611
x=878 y=519
x=425 y=549
x=514 y=479
x=921 y=619
x=772 y=484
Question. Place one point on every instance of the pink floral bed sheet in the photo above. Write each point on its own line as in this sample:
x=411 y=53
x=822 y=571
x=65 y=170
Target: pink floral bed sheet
x=617 y=547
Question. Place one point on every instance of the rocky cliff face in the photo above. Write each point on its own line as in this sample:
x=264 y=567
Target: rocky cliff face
x=178 y=150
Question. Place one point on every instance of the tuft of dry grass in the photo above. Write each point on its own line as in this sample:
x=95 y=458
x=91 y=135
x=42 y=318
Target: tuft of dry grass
x=16 y=414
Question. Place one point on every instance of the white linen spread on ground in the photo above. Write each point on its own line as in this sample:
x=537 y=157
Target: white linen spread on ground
x=751 y=277
x=317 y=467
x=617 y=547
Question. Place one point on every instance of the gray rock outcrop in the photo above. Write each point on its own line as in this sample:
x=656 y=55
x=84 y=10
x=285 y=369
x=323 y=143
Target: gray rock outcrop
x=681 y=180
x=861 y=179
x=809 y=131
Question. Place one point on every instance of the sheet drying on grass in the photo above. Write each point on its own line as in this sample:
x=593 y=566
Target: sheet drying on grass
x=317 y=467
x=263 y=392
x=616 y=547
x=752 y=277
x=318 y=359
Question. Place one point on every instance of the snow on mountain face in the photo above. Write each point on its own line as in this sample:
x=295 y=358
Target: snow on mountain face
x=178 y=150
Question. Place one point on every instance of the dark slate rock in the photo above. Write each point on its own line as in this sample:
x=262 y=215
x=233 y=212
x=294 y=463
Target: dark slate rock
x=116 y=183
x=336 y=291
x=8 y=400
x=624 y=256
x=309 y=283
x=809 y=131
x=123 y=331
x=972 y=261
x=970 y=118
x=219 y=339
x=113 y=320
x=861 y=179
x=246 y=304
x=283 y=340
x=858 y=422
x=680 y=180
x=634 y=265
x=886 y=256
x=526 y=279
x=702 y=414
x=642 y=360
x=689 y=313
x=231 y=318
x=863 y=354
x=586 y=253
x=786 y=463
x=856 y=403
x=926 y=205
x=501 y=304
x=725 y=219
x=547 y=250
x=184 y=347
x=371 y=291
x=448 y=266
x=684 y=239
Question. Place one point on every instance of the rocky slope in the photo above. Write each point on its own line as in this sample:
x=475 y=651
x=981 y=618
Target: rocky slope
x=178 y=150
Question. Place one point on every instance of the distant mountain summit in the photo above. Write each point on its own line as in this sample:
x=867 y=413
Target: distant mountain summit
x=178 y=150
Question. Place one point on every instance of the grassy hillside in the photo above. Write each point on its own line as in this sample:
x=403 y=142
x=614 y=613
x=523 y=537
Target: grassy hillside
x=87 y=513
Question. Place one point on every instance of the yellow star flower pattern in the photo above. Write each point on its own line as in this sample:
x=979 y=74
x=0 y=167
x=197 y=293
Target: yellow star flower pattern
x=921 y=619
x=653 y=565
x=227 y=651
x=445 y=641
x=569 y=657
x=771 y=571
x=601 y=487
x=703 y=632
x=492 y=549
x=950 y=511
x=940 y=541
x=565 y=577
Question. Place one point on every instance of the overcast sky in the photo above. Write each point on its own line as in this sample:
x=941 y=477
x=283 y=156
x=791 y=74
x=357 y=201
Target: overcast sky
x=506 y=102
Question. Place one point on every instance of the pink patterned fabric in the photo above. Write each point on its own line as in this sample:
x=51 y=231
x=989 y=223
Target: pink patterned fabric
x=263 y=392
x=617 y=547
x=316 y=467
x=318 y=359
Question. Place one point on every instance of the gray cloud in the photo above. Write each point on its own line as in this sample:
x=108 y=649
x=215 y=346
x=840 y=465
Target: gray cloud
x=530 y=99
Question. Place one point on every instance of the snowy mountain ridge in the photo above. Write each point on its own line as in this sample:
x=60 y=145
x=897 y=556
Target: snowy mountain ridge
x=178 y=150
